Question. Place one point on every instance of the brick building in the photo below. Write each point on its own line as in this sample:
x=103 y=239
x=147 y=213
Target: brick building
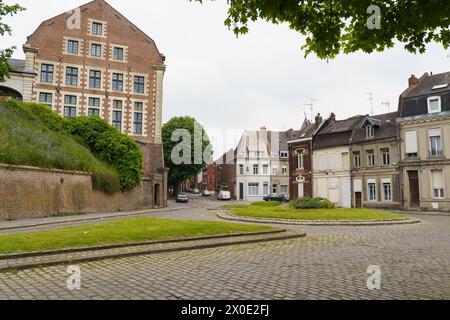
x=93 y=61
x=209 y=178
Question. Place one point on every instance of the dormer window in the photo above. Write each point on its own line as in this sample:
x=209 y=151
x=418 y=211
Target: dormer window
x=370 y=132
x=434 y=104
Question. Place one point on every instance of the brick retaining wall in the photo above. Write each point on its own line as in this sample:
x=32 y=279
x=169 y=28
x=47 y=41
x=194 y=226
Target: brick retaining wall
x=28 y=192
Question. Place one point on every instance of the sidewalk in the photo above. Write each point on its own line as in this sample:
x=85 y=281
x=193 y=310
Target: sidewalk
x=36 y=222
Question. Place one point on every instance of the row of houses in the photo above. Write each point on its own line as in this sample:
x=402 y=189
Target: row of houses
x=398 y=160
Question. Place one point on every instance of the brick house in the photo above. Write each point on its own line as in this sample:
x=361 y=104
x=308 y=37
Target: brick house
x=209 y=178
x=93 y=61
x=300 y=158
x=225 y=168
x=375 y=163
x=424 y=120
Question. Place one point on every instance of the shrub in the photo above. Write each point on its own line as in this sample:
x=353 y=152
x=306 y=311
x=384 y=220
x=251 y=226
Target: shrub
x=109 y=145
x=266 y=203
x=313 y=203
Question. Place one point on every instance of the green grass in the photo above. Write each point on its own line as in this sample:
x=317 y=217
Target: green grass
x=266 y=203
x=233 y=206
x=315 y=214
x=25 y=140
x=119 y=232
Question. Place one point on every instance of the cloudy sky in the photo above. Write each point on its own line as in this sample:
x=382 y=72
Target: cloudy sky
x=230 y=84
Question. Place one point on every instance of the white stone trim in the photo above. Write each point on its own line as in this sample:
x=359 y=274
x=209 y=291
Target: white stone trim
x=144 y=117
x=78 y=105
x=125 y=52
x=80 y=46
x=86 y=77
x=104 y=29
x=102 y=103
x=146 y=82
x=125 y=79
x=55 y=71
x=53 y=104
x=124 y=108
x=104 y=48
x=80 y=75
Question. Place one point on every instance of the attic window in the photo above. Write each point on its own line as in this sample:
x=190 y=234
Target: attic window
x=370 y=132
x=434 y=104
x=440 y=86
x=303 y=135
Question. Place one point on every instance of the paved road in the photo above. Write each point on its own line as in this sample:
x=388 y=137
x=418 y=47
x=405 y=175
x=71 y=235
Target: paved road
x=331 y=263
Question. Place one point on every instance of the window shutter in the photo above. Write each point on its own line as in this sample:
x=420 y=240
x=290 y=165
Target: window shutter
x=438 y=182
x=411 y=142
x=434 y=132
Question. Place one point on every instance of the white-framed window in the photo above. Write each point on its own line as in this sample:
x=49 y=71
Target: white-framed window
x=266 y=188
x=434 y=104
x=70 y=106
x=435 y=142
x=93 y=107
x=117 y=114
x=284 y=154
x=73 y=46
x=275 y=170
x=253 y=189
x=300 y=158
x=284 y=170
x=357 y=159
x=118 y=53
x=411 y=145
x=370 y=132
x=96 y=50
x=71 y=76
x=117 y=81
x=46 y=98
x=371 y=190
x=47 y=71
x=139 y=84
x=370 y=158
x=95 y=79
x=438 y=184
x=241 y=169
x=266 y=169
x=386 y=156
x=387 y=190
x=97 y=28
x=138 y=118
x=255 y=169
x=284 y=189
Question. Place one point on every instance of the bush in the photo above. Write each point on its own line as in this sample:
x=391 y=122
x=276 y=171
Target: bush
x=313 y=203
x=266 y=203
x=109 y=145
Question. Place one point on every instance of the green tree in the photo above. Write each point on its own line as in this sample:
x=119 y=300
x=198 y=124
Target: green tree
x=335 y=26
x=187 y=150
x=6 y=54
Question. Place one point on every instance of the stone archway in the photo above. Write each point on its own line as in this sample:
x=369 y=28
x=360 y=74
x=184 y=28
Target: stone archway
x=7 y=93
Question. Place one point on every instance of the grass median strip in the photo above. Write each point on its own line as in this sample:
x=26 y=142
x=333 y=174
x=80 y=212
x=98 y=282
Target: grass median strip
x=316 y=214
x=120 y=232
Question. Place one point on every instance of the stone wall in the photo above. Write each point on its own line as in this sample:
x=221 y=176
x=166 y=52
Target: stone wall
x=29 y=192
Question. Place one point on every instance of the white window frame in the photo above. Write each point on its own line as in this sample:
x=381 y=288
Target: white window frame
x=441 y=190
x=383 y=194
x=369 y=183
x=253 y=189
x=255 y=169
x=429 y=104
x=370 y=155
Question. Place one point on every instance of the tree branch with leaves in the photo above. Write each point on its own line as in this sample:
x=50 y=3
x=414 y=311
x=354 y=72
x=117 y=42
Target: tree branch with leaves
x=332 y=27
x=6 y=54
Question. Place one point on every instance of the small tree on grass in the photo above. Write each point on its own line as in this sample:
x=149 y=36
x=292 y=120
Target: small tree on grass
x=187 y=150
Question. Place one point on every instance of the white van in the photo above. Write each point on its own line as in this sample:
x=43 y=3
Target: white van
x=224 y=195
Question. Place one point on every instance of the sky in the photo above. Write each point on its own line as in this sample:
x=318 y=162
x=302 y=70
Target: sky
x=260 y=79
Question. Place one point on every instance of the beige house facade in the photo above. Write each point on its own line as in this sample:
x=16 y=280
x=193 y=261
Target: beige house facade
x=424 y=120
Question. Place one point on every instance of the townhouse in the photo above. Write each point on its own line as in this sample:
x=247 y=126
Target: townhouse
x=424 y=120
x=300 y=158
x=225 y=173
x=375 y=163
x=331 y=160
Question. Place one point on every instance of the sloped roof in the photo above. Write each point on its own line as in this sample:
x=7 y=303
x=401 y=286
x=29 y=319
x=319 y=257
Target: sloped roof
x=426 y=84
x=385 y=128
x=338 y=133
x=18 y=65
x=340 y=125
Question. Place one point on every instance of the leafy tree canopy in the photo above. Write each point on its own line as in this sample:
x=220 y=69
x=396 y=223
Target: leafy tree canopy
x=335 y=26
x=197 y=150
x=6 y=54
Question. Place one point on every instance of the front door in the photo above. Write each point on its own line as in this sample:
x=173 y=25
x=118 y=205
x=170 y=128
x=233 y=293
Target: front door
x=358 y=199
x=241 y=191
x=301 y=190
x=414 y=193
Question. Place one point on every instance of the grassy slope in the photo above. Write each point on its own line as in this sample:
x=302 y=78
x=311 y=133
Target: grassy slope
x=315 y=214
x=124 y=231
x=25 y=140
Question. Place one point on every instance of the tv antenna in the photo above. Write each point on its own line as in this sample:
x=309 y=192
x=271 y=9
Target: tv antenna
x=370 y=94
x=388 y=104
x=311 y=107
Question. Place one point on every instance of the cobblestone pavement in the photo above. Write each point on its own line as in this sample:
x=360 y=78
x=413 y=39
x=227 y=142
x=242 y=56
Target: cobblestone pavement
x=331 y=263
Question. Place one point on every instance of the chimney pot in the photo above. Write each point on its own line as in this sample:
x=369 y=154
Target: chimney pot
x=412 y=81
x=319 y=120
x=333 y=117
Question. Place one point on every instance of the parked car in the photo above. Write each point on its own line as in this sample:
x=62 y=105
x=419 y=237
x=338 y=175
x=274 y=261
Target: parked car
x=196 y=191
x=224 y=195
x=280 y=198
x=206 y=193
x=182 y=198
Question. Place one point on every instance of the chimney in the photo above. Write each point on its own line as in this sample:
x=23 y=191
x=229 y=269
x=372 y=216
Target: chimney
x=263 y=133
x=412 y=81
x=319 y=120
x=333 y=117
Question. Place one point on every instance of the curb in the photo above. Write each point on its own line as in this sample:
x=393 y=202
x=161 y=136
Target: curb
x=88 y=219
x=360 y=223
x=277 y=235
